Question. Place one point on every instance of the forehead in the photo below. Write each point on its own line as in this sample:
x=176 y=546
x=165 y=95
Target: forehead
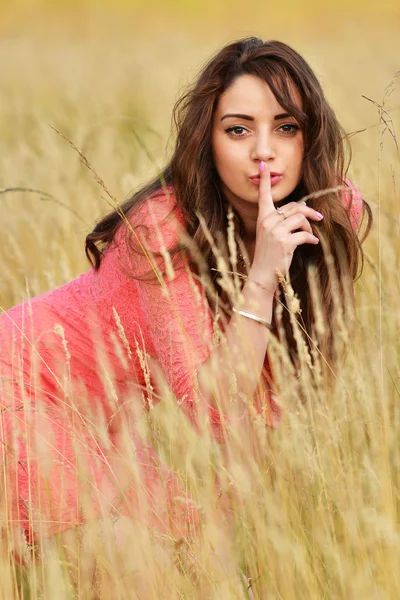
x=252 y=94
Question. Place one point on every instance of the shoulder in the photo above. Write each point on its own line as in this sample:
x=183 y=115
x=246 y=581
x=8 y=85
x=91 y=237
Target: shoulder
x=158 y=219
x=149 y=233
x=353 y=202
x=156 y=222
x=156 y=207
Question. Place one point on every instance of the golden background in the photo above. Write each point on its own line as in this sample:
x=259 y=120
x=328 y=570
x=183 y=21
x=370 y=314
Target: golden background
x=107 y=74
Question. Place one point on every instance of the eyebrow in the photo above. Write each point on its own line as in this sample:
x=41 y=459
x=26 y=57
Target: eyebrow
x=249 y=118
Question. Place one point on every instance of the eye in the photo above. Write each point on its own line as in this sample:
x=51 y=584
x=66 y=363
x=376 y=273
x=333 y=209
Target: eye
x=233 y=131
x=293 y=128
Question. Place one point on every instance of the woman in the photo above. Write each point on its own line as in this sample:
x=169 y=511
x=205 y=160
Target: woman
x=255 y=135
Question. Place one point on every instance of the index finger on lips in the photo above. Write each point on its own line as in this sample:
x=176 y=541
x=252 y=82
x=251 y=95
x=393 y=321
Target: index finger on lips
x=265 y=202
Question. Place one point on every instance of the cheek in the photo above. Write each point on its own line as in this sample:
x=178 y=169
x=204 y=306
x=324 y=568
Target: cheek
x=218 y=152
x=232 y=157
x=226 y=156
x=297 y=157
x=300 y=151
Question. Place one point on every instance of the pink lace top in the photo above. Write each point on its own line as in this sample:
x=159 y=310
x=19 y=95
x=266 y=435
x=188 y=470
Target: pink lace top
x=95 y=328
x=69 y=358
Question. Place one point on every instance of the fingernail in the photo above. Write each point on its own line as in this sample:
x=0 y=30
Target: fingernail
x=319 y=215
x=262 y=165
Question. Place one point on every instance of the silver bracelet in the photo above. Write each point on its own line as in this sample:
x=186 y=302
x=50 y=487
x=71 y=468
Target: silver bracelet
x=243 y=313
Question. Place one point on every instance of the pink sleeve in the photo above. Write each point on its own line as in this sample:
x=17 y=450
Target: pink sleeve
x=177 y=315
x=353 y=202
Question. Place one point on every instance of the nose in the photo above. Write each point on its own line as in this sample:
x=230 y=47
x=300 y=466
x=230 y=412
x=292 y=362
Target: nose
x=264 y=147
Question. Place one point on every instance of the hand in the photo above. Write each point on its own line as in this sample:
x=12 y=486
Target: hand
x=278 y=236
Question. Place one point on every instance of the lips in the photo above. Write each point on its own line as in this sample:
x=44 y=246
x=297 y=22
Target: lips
x=271 y=174
x=275 y=178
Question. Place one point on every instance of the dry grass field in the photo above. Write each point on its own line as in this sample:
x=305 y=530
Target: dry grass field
x=316 y=503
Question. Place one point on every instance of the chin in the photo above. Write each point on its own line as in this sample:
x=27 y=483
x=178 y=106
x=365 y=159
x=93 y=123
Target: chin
x=279 y=197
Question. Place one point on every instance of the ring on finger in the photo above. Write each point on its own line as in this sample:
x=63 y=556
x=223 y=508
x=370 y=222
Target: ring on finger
x=281 y=212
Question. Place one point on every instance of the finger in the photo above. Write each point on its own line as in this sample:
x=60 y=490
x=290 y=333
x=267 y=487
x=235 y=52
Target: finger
x=296 y=221
x=265 y=202
x=303 y=237
x=295 y=207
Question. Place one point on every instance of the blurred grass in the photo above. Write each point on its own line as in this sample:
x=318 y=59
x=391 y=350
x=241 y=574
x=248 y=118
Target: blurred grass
x=107 y=76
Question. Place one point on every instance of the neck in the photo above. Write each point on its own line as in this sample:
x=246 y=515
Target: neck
x=249 y=216
x=250 y=247
x=248 y=212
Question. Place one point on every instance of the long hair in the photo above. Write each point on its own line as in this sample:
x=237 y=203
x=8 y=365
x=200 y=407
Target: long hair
x=197 y=188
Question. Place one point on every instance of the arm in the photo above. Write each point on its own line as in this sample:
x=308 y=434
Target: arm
x=247 y=339
x=240 y=358
x=180 y=324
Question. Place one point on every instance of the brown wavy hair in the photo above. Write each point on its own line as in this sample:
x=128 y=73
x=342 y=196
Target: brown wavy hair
x=197 y=189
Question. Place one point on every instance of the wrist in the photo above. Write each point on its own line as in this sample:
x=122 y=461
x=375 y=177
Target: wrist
x=258 y=300
x=264 y=282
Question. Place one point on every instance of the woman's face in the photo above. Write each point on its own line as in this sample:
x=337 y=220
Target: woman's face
x=248 y=127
